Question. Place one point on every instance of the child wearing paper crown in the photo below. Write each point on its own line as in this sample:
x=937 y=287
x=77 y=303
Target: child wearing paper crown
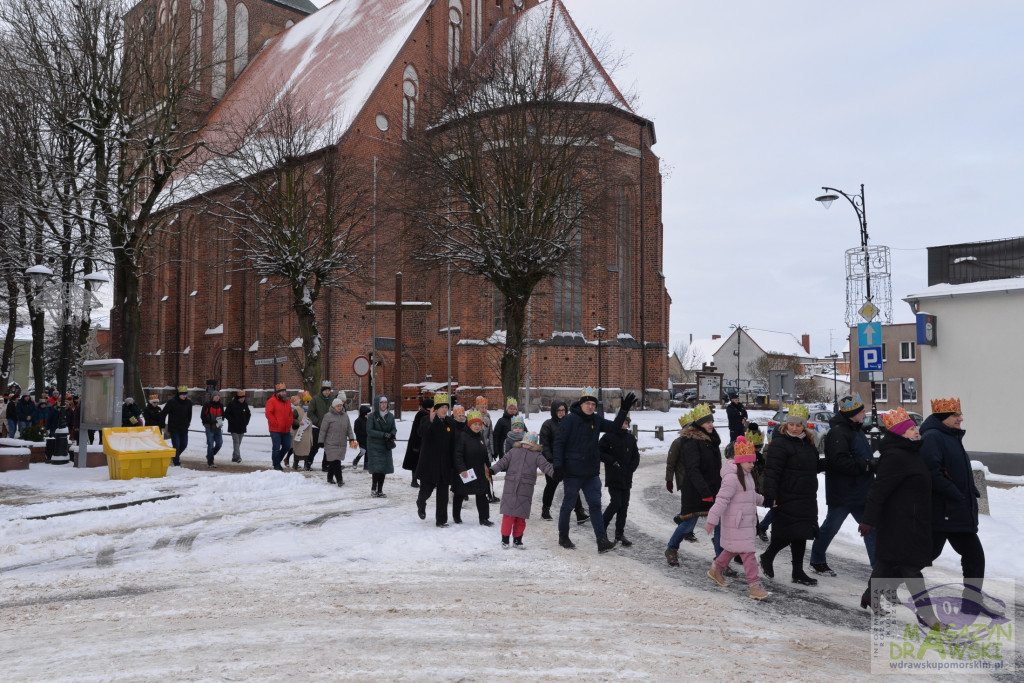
x=516 y=434
x=520 y=466
x=736 y=508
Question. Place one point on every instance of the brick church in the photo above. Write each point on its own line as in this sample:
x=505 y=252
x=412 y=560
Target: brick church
x=204 y=320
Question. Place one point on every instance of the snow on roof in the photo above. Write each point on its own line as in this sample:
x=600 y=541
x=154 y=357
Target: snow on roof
x=984 y=287
x=701 y=351
x=781 y=343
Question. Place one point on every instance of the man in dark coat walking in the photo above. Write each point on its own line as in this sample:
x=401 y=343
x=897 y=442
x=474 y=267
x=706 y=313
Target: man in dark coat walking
x=578 y=461
x=504 y=425
x=954 y=494
x=435 y=468
x=178 y=412
x=849 y=472
x=547 y=446
x=412 y=449
x=737 y=415
x=621 y=457
x=237 y=414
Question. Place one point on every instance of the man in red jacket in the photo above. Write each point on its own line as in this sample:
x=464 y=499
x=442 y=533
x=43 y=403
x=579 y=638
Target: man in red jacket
x=279 y=420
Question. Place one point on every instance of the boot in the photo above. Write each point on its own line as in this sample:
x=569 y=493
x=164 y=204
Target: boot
x=421 y=510
x=415 y=484
x=486 y=522
x=284 y=460
x=545 y=513
x=672 y=555
x=766 y=566
x=715 y=574
x=799 y=576
x=330 y=478
x=582 y=519
x=758 y=593
x=340 y=481
x=517 y=542
x=623 y=541
x=356 y=462
x=604 y=545
x=566 y=543
x=504 y=542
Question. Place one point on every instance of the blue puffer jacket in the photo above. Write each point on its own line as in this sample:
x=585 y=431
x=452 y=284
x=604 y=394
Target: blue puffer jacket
x=576 y=451
x=954 y=495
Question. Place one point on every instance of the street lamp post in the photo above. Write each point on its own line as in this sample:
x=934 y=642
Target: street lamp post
x=835 y=382
x=599 y=331
x=857 y=202
x=65 y=303
x=739 y=337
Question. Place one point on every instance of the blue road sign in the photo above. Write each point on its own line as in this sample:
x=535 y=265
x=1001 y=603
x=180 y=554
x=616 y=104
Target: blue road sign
x=870 y=358
x=869 y=334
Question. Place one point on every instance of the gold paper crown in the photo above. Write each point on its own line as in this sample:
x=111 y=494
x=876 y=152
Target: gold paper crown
x=511 y=401
x=894 y=417
x=440 y=398
x=182 y=389
x=518 y=420
x=458 y=410
x=742 y=447
x=474 y=416
x=945 y=405
x=306 y=396
x=799 y=410
x=756 y=438
x=700 y=411
x=588 y=392
x=848 y=403
x=685 y=419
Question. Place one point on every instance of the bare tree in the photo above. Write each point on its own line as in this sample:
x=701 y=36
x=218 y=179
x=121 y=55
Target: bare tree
x=295 y=209
x=505 y=179
x=762 y=368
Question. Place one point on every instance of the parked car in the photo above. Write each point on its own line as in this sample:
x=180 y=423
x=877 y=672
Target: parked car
x=918 y=418
x=688 y=395
x=817 y=420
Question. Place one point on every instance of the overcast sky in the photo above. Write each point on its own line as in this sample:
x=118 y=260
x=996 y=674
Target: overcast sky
x=758 y=104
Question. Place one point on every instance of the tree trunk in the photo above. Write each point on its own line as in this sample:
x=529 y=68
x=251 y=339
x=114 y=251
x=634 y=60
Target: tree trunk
x=12 y=324
x=512 y=356
x=311 y=342
x=127 y=321
x=37 y=321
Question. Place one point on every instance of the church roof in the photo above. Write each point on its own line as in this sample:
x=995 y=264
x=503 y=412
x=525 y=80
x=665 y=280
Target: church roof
x=300 y=5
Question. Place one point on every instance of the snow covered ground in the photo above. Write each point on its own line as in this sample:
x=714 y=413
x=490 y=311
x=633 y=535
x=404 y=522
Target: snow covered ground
x=264 y=575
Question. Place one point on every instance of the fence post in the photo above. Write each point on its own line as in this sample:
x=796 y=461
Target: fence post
x=635 y=430
x=659 y=433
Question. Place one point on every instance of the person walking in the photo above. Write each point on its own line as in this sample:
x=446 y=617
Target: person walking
x=791 y=486
x=360 y=430
x=152 y=414
x=436 y=467
x=335 y=428
x=559 y=409
x=380 y=440
x=735 y=513
x=675 y=473
x=520 y=466
x=954 y=494
x=849 y=471
x=279 y=421
x=621 y=458
x=319 y=406
x=178 y=411
x=737 y=415
x=212 y=419
x=578 y=461
x=75 y=418
x=471 y=461
x=45 y=416
x=488 y=433
x=237 y=414
x=302 y=434
x=11 y=414
x=131 y=414
x=898 y=509
x=24 y=409
x=702 y=461
x=412 y=448
x=504 y=425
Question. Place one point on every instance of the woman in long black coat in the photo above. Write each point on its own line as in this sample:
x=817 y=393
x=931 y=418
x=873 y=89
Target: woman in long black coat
x=471 y=454
x=412 y=450
x=899 y=506
x=791 y=484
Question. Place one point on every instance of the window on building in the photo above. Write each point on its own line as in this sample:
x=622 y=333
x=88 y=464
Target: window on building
x=220 y=48
x=241 y=38
x=410 y=96
x=623 y=259
x=454 y=36
x=882 y=391
x=908 y=350
x=196 y=40
x=476 y=17
x=908 y=390
x=883 y=353
x=568 y=287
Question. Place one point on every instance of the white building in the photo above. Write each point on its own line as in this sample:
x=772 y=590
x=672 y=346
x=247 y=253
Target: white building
x=748 y=345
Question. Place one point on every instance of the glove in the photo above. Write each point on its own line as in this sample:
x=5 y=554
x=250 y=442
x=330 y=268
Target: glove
x=710 y=528
x=627 y=402
x=864 y=529
x=768 y=503
x=668 y=485
x=133 y=420
x=709 y=499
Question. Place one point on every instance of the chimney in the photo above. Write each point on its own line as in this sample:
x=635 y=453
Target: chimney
x=805 y=341
x=715 y=336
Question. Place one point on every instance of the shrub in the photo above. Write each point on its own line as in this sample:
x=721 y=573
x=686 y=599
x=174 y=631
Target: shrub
x=34 y=433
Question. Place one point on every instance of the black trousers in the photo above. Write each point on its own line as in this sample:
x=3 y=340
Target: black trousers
x=798 y=546
x=618 y=507
x=440 y=501
x=887 y=576
x=334 y=471
x=377 y=482
x=483 y=508
x=968 y=546
x=548 y=497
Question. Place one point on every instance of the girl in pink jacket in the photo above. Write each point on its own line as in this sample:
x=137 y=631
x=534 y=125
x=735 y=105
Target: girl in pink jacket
x=736 y=508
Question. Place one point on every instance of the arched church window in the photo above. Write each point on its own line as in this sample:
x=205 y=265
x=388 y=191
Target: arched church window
x=476 y=19
x=241 y=38
x=568 y=285
x=410 y=97
x=623 y=256
x=196 y=40
x=220 y=48
x=454 y=36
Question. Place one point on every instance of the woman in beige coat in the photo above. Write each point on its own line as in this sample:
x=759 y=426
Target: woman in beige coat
x=302 y=434
x=334 y=429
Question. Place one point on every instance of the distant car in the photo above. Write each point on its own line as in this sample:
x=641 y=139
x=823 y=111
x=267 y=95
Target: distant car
x=689 y=395
x=817 y=420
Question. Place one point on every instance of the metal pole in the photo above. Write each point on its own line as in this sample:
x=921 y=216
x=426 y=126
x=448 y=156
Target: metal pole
x=398 y=347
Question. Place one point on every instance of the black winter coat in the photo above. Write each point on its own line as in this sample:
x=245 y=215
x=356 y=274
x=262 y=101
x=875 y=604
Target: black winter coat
x=435 y=464
x=471 y=454
x=412 y=449
x=153 y=416
x=128 y=411
x=954 y=495
x=899 y=504
x=848 y=461
x=12 y=410
x=359 y=427
x=501 y=429
x=702 y=461
x=620 y=457
x=237 y=414
x=576 y=452
x=179 y=414
x=737 y=414
x=791 y=482
x=548 y=431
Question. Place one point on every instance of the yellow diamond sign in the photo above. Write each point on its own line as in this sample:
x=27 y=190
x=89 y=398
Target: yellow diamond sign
x=868 y=311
